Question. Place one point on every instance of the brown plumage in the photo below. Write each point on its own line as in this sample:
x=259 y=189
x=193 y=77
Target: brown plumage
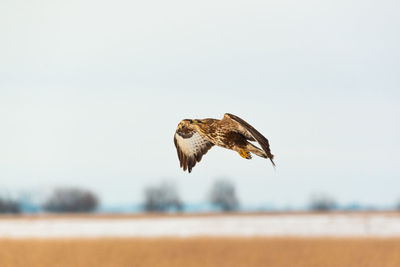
x=193 y=138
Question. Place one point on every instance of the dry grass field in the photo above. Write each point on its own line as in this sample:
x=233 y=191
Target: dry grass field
x=204 y=252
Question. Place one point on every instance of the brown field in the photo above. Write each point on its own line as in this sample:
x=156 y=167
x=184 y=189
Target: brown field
x=193 y=252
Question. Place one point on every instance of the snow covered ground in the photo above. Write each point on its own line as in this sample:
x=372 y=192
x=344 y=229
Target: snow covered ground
x=300 y=225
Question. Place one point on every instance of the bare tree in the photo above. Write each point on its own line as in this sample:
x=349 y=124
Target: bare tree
x=223 y=195
x=322 y=202
x=9 y=206
x=161 y=198
x=71 y=200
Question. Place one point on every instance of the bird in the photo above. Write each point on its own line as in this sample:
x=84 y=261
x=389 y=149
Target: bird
x=194 y=137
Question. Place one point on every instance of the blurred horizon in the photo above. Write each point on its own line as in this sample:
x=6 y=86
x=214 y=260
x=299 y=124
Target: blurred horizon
x=91 y=93
x=37 y=202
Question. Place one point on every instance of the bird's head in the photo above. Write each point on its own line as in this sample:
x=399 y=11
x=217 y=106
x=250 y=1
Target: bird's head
x=190 y=124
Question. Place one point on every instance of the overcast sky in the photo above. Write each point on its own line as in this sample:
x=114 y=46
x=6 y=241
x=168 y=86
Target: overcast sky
x=91 y=93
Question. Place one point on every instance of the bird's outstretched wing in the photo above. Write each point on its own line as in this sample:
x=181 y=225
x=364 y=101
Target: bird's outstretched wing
x=250 y=133
x=190 y=146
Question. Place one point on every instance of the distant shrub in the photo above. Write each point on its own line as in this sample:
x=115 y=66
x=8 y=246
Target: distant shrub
x=161 y=198
x=322 y=202
x=9 y=206
x=223 y=195
x=71 y=200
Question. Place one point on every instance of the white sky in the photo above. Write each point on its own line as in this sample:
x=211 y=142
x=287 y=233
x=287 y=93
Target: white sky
x=91 y=93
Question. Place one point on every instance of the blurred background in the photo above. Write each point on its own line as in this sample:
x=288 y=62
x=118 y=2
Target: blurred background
x=91 y=93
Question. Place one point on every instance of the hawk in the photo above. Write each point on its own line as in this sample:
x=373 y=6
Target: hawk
x=193 y=139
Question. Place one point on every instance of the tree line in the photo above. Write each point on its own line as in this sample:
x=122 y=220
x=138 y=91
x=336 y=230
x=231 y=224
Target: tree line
x=162 y=197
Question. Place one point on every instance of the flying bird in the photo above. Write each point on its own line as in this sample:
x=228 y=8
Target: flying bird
x=193 y=138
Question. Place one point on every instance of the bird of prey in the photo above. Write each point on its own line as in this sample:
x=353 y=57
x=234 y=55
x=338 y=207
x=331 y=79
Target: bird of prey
x=194 y=137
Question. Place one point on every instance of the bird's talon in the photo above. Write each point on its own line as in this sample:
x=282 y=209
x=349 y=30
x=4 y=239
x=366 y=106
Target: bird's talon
x=245 y=154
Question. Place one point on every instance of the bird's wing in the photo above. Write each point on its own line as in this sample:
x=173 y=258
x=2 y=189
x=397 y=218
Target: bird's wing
x=190 y=146
x=250 y=133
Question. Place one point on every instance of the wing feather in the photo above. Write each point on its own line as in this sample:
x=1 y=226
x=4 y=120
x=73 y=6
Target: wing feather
x=191 y=147
x=249 y=131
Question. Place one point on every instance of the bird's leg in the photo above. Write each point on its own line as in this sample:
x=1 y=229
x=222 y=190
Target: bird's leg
x=244 y=154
